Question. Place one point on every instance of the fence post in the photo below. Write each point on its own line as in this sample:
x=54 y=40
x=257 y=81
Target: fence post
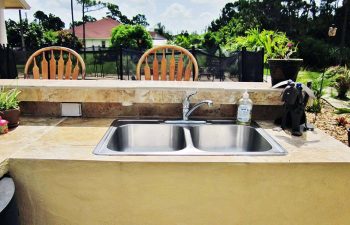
x=14 y=63
x=7 y=60
x=243 y=54
x=348 y=136
x=193 y=51
x=94 y=56
x=262 y=60
x=2 y=62
x=221 y=69
x=121 y=61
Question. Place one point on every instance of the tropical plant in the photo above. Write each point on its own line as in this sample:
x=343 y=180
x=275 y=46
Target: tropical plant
x=341 y=121
x=186 y=40
x=340 y=80
x=342 y=110
x=318 y=86
x=276 y=44
x=8 y=99
x=131 y=36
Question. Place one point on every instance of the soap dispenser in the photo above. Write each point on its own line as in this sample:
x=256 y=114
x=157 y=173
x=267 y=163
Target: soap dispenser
x=244 y=112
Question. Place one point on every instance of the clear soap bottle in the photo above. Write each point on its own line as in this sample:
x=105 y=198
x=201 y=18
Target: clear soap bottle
x=244 y=112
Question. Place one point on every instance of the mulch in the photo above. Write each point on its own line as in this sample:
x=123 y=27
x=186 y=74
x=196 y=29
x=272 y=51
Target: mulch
x=327 y=121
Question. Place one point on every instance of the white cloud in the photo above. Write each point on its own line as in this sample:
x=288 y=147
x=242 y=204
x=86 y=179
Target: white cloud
x=216 y=2
x=177 y=18
x=206 y=15
x=176 y=11
x=176 y=15
x=134 y=7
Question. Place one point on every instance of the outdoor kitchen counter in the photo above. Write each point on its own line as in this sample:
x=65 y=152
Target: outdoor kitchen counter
x=60 y=181
x=75 y=138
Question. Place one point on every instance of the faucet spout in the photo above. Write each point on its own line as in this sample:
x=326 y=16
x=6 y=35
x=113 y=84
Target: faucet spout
x=196 y=106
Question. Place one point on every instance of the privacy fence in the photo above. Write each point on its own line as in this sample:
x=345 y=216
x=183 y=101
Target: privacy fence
x=245 y=66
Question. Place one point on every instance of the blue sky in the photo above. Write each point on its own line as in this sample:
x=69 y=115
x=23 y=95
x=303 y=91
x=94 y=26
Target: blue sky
x=176 y=15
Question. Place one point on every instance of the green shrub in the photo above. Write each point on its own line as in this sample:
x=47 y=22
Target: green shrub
x=317 y=53
x=50 y=38
x=187 y=40
x=66 y=39
x=61 y=38
x=131 y=36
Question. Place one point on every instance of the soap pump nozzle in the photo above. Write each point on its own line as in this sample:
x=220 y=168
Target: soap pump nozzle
x=246 y=94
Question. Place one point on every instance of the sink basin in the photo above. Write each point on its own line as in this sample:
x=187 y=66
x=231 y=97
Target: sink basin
x=155 y=137
x=228 y=138
x=147 y=138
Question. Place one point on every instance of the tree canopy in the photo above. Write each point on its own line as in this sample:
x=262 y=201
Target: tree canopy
x=45 y=30
x=295 y=17
x=115 y=13
x=49 y=22
x=131 y=36
x=87 y=18
x=304 y=22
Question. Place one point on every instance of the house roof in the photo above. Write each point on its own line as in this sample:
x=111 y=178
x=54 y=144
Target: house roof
x=156 y=36
x=100 y=29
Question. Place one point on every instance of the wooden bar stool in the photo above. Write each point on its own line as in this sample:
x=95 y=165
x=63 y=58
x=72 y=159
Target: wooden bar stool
x=178 y=67
x=68 y=66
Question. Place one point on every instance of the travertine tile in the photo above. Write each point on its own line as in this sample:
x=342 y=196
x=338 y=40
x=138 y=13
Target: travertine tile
x=114 y=91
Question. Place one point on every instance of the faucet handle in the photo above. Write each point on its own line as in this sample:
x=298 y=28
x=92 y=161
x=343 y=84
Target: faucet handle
x=188 y=96
x=186 y=101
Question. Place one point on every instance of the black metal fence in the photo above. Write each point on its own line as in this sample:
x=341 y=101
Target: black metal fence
x=121 y=62
x=8 y=69
x=245 y=66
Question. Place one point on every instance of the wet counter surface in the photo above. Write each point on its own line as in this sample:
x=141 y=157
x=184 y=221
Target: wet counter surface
x=76 y=138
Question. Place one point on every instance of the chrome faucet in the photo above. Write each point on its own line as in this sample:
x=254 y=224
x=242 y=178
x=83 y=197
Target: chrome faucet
x=186 y=111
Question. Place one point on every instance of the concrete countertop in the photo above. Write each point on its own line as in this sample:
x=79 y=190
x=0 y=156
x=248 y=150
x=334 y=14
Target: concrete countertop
x=75 y=139
x=129 y=92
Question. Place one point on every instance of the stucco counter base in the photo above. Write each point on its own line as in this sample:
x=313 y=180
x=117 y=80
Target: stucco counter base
x=59 y=181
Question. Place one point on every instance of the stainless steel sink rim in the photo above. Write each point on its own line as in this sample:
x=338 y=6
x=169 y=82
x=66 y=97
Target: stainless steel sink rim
x=189 y=148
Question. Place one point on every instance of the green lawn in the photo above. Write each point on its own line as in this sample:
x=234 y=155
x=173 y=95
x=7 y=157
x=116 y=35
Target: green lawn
x=304 y=76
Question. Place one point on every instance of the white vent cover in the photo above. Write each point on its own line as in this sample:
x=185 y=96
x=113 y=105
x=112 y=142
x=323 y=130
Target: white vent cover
x=70 y=109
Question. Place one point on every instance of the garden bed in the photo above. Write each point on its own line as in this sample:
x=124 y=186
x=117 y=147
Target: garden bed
x=327 y=121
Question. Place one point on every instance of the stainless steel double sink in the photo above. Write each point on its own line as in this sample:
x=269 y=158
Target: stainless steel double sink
x=214 y=137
